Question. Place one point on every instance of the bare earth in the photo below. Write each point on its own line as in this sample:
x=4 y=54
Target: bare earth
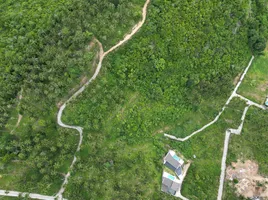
x=250 y=183
x=236 y=80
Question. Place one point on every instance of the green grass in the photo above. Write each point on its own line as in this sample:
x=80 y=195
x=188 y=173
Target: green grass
x=115 y=170
x=193 y=121
x=255 y=84
x=250 y=145
x=14 y=198
x=112 y=143
x=11 y=175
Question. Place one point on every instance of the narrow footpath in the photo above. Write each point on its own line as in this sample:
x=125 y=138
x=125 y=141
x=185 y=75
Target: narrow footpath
x=19 y=115
x=225 y=150
x=102 y=55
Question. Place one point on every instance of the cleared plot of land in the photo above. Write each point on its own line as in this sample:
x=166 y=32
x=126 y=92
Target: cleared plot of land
x=248 y=183
x=255 y=85
x=250 y=145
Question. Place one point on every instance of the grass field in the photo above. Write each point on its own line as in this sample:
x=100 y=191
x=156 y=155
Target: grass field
x=110 y=155
x=255 y=84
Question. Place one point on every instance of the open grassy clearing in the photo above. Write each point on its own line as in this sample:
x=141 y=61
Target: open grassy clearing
x=255 y=85
x=250 y=145
x=192 y=121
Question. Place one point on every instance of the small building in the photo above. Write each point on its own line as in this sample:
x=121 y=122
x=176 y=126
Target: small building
x=173 y=162
x=170 y=184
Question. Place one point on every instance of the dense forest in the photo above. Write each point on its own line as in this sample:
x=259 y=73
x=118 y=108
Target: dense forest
x=187 y=53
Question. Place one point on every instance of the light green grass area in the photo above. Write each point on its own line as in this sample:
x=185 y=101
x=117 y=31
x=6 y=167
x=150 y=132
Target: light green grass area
x=250 y=145
x=207 y=146
x=11 y=174
x=255 y=84
x=11 y=123
x=193 y=121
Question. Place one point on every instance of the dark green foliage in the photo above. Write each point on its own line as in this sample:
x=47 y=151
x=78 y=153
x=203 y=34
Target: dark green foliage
x=258 y=26
x=187 y=53
x=43 y=50
x=47 y=54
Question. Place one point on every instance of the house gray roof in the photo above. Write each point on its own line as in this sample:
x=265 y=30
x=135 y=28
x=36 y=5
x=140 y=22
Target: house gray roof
x=167 y=182
x=174 y=163
x=169 y=186
x=175 y=186
x=164 y=188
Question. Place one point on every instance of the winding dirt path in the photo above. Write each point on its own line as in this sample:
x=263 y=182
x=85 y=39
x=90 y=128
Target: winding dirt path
x=102 y=55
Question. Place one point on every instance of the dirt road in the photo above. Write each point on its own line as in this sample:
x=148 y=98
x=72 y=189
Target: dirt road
x=102 y=55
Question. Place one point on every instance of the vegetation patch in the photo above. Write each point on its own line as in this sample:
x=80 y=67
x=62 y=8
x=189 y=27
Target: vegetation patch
x=44 y=50
x=250 y=145
x=255 y=84
x=176 y=72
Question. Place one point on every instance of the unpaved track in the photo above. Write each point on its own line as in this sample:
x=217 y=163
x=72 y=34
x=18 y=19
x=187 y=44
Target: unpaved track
x=31 y=195
x=185 y=169
x=102 y=55
x=19 y=115
x=225 y=150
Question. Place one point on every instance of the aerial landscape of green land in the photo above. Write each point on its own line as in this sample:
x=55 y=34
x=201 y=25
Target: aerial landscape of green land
x=172 y=75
